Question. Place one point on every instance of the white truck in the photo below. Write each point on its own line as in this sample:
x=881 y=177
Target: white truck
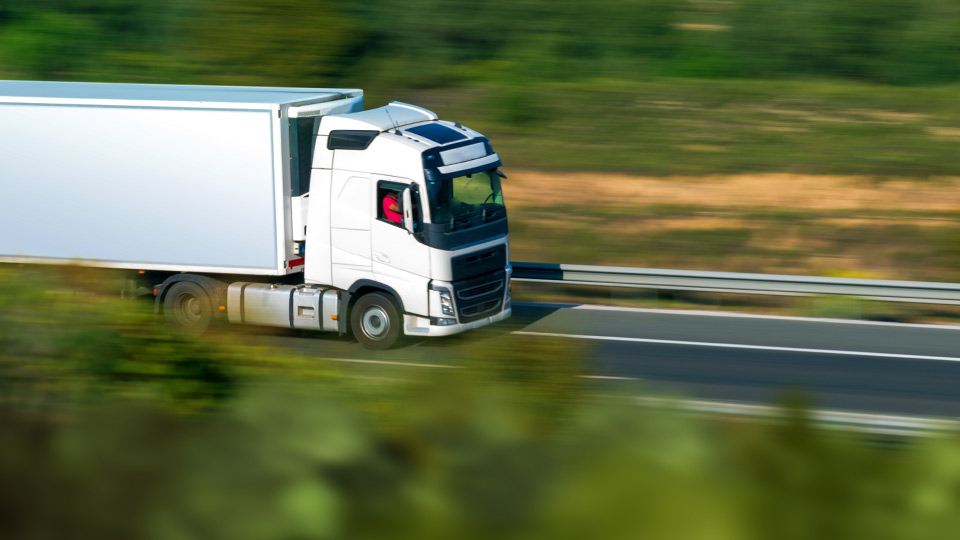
x=289 y=207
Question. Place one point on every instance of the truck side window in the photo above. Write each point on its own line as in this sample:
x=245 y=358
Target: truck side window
x=389 y=203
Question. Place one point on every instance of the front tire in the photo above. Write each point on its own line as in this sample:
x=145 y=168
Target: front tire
x=187 y=308
x=376 y=321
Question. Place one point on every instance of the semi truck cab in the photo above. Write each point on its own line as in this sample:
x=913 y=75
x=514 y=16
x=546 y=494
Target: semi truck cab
x=442 y=267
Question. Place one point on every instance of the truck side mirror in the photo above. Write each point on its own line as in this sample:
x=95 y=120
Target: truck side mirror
x=407 y=210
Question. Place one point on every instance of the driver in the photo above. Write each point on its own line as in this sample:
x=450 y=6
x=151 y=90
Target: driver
x=391 y=208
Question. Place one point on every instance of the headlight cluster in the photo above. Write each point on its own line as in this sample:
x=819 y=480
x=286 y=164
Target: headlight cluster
x=446 y=302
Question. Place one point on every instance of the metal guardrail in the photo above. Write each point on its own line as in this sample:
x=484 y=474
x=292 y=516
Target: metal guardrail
x=877 y=424
x=920 y=292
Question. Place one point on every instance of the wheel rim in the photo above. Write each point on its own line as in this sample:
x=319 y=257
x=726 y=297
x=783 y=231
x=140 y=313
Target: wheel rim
x=375 y=322
x=189 y=309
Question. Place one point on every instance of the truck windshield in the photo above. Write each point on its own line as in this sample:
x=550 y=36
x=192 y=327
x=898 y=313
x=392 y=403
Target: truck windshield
x=476 y=194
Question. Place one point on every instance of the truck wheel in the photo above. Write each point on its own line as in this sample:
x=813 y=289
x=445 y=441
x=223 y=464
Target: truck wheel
x=375 y=321
x=187 y=308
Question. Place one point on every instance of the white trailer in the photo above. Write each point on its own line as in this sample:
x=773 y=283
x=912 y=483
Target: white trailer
x=263 y=204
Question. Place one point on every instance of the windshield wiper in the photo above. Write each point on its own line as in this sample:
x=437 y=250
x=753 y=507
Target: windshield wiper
x=493 y=213
x=483 y=215
x=461 y=221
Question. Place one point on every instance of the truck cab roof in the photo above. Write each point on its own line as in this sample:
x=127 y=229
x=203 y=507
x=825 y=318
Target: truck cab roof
x=443 y=148
x=392 y=116
x=414 y=126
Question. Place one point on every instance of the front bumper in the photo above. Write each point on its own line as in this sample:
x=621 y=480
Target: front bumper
x=420 y=326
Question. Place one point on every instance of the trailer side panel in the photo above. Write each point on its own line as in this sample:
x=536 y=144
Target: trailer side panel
x=140 y=187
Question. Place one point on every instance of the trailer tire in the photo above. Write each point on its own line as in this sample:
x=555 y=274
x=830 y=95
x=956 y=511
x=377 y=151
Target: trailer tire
x=187 y=308
x=376 y=321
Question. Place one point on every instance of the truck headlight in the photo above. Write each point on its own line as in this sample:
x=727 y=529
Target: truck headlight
x=446 y=302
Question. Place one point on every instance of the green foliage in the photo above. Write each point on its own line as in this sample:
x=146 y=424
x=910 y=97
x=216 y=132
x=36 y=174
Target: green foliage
x=929 y=47
x=431 y=43
x=64 y=344
x=47 y=44
x=520 y=107
x=513 y=444
x=273 y=43
x=848 y=38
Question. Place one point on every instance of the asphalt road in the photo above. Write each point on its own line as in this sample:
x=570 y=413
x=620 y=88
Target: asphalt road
x=870 y=367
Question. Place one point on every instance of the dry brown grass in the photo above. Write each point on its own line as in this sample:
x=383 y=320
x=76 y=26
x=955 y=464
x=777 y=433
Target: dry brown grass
x=944 y=133
x=778 y=191
x=777 y=223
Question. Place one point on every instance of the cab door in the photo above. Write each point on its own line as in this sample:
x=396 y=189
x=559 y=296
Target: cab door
x=398 y=259
x=350 y=235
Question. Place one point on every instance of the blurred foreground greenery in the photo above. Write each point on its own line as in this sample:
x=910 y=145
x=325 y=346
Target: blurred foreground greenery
x=112 y=427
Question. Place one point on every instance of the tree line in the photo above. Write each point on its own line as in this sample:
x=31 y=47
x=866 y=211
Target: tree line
x=420 y=43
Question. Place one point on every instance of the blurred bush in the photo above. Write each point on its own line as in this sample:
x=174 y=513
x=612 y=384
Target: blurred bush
x=110 y=427
x=63 y=344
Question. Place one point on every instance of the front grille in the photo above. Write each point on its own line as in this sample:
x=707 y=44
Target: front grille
x=479 y=296
x=480 y=309
x=479 y=262
x=480 y=290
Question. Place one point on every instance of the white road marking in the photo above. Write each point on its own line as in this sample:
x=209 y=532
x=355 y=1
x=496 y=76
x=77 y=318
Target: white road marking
x=864 y=422
x=732 y=314
x=388 y=362
x=740 y=346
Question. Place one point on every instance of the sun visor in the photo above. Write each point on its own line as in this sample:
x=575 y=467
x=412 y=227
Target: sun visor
x=464 y=153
